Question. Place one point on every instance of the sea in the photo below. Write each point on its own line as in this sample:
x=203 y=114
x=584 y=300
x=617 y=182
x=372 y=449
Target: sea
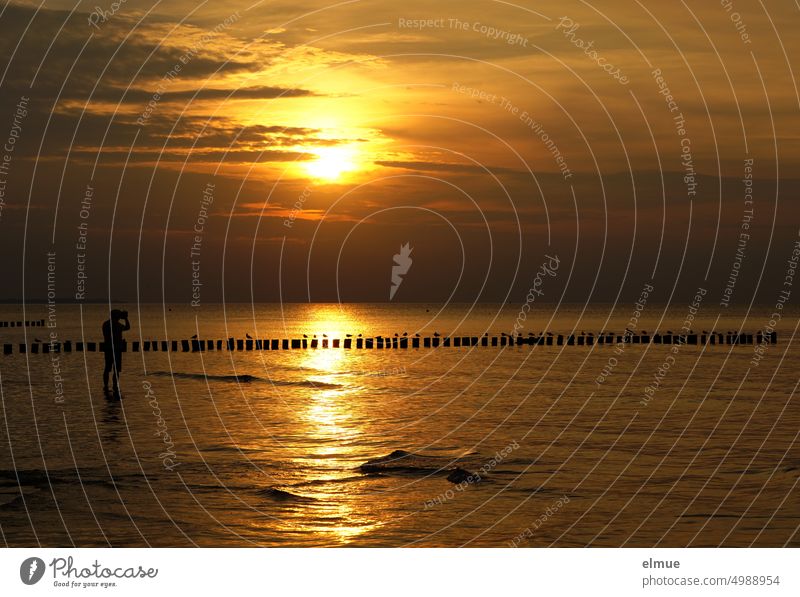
x=632 y=445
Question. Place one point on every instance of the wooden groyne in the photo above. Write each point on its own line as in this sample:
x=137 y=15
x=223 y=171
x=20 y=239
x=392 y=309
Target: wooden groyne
x=398 y=342
x=36 y=323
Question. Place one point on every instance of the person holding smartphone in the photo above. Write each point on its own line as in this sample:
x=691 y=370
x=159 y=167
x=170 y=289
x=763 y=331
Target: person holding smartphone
x=113 y=345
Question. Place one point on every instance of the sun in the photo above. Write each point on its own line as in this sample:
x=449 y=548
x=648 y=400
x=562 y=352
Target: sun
x=331 y=162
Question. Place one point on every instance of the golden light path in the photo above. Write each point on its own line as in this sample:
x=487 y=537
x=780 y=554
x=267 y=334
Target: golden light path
x=329 y=419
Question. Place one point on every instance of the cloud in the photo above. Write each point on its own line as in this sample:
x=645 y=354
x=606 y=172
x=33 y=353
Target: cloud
x=140 y=96
x=446 y=167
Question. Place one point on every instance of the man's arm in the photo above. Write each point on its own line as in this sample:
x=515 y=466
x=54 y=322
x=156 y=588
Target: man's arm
x=127 y=325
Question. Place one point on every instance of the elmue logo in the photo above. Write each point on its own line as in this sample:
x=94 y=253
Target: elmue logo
x=31 y=571
x=403 y=261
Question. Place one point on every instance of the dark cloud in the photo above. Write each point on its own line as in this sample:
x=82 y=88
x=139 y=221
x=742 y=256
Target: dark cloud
x=142 y=96
x=447 y=167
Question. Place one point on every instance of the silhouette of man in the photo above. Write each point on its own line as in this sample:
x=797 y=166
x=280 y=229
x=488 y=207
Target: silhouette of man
x=112 y=339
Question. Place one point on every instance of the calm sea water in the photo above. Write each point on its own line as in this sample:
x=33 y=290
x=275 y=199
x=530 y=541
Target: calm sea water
x=267 y=448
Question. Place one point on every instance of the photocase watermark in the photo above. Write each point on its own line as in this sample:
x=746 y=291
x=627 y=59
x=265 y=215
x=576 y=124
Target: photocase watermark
x=475 y=477
x=52 y=327
x=197 y=241
x=82 y=243
x=402 y=263
x=737 y=21
x=8 y=147
x=548 y=268
x=493 y=33
x=661 y=373
x=297 y=207
x=551 y=511
x=630 y=328
x=66 y=574
x=679 y=122
x=524 y=117
x=182 y=61
x=101 y=16
x=539 y=130
x=168 y=457
x=31 y=570
x=569 y=27
x=744 y=234
x=760 y=348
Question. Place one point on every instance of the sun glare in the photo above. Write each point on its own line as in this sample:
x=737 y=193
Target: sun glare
x=331 y=163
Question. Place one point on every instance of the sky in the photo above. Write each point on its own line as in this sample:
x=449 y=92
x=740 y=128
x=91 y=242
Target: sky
x=285 y=151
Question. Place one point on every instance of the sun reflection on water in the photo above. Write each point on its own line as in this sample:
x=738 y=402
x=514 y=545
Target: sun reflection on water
x=333 y=428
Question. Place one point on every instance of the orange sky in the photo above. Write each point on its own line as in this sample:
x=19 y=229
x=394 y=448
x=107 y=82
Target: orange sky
x=492 y=131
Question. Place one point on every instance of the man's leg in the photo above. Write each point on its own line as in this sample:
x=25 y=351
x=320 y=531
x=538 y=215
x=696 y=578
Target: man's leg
x=106 y=371
x=117 y=369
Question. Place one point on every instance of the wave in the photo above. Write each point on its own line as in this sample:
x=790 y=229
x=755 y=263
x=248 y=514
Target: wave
x=281 y=495
x=307 y=383
x=232 y=449
x=711 y=515
x=401 y=462
x=334 y=481
x=246 y=378
x=26 y=482
x=44 y=478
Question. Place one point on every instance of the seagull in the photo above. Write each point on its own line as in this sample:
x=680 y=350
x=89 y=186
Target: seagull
x=436 y=334
x=248 y=336
x=348 y=335
x=36 y=340
x=195 y=337
x=405 y=333
x=304 y=336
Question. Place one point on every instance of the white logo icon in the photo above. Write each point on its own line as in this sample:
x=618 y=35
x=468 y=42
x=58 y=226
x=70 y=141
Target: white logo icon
x=403 y=263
